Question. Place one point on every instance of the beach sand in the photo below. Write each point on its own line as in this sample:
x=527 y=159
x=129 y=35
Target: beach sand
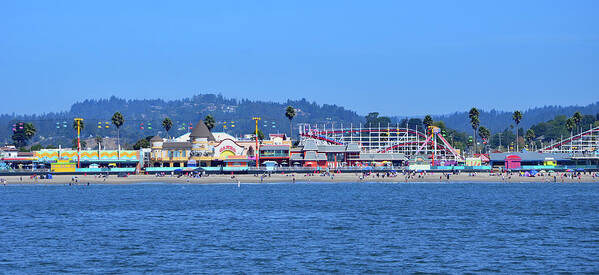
x=282 y=178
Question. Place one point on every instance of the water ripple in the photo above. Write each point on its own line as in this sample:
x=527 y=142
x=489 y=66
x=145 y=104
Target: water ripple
x=300 y=228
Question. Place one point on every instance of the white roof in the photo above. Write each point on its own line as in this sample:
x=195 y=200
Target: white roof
x=219 y=136
x=183 y=138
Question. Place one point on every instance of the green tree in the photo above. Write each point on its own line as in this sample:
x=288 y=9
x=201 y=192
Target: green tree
x=30 y=130
x=82 y=125
x=142 y=143
x=36 y=147
x=474 y=122
x=374 y=120
x=260 y=135
x=517 y=117
x=440 y=124
x=74 y=143
x=290 y=114
x=209 y=122
x=167 y=124
x=99 y=140
x=24 y=131
x=530 y=136
x=428 y=121
x=484 y=134
x=577 y=117
x=118 y=120
x=570 y=124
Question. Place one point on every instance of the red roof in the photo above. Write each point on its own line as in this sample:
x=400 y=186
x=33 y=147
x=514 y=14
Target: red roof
x=513 y=157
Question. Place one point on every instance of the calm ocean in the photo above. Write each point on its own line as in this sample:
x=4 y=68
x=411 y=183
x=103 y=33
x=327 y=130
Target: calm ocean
x=300 y=228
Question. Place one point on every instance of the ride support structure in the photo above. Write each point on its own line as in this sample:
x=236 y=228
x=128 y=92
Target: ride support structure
x=387 y=139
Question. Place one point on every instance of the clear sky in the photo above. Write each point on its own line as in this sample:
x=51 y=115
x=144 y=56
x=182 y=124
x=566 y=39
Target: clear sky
x=395 y=57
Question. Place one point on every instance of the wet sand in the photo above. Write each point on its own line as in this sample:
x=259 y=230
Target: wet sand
x=282 y=178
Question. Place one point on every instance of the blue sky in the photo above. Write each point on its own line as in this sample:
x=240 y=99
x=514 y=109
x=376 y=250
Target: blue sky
x=395 y=57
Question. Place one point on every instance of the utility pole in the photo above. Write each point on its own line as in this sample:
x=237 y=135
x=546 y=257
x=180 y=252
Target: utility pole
x=256 y=119
x=78 y=120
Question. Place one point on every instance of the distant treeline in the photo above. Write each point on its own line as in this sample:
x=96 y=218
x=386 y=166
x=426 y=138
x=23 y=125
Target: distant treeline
x=143 y=118
x=497 y=121
x=231 y=115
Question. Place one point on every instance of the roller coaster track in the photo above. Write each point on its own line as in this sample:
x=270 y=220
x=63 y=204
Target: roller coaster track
x=571 y=139
x=325 y=136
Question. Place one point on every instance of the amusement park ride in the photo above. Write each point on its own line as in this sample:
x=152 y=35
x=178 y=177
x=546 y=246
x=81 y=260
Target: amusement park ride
x=582 y=145
x=389 y=139
x=412 y=143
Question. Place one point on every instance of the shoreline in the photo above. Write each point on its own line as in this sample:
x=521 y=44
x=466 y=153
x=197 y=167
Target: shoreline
x=289 y=178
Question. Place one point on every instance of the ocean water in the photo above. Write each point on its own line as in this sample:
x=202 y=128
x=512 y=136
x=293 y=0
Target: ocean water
x=300 y=228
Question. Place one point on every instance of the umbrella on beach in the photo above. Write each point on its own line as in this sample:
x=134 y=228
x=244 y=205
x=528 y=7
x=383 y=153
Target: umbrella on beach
x=533 y=172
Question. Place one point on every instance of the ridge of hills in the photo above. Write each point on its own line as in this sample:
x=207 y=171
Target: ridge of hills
x=55 y=128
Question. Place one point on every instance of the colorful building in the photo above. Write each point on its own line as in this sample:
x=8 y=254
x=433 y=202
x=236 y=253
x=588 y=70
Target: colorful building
x=202 y=148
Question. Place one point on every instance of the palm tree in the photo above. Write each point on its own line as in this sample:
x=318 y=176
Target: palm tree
x=82 y=143
x=260 y=135
x=530 y=136
x=118 y=120
x=290 y=114
x=81 y=125
x=517 y=117
x=209 y=122
x=475 y=122
x=23 y=132
x=570 y=124
x=577 y=117
x=29 y=130
x=428 y=121
x=167 y=124
x=484 y=133
x=99 y=141
x=78 y=124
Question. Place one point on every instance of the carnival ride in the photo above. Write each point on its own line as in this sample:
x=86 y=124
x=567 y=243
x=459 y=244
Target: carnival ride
x=585 y=145
x=389 y=139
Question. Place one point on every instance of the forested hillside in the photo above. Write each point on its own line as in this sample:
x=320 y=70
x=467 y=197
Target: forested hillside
x=500 y=120
x=144 y=117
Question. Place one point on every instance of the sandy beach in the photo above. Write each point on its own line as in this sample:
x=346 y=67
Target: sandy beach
x=298 y=178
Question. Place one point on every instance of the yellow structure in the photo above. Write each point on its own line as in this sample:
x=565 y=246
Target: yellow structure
x=63 y=166
x=550 y=162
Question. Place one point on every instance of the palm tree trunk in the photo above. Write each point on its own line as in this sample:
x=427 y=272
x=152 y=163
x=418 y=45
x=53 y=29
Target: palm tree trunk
x=517 y=137
x=118 y=143
x=474 y=142
x=290 y=130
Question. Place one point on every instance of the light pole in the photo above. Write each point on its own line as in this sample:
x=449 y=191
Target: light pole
x=256 y=119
